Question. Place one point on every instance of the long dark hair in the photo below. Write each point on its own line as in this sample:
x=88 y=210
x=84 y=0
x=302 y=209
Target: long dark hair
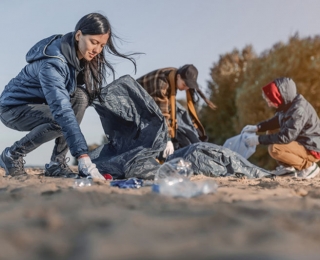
x=195 y=93
x=95 y=71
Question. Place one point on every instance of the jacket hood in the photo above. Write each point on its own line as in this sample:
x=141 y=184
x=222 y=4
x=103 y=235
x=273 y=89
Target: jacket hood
x=287 y=89
x=271 y=91
x=69 y=51
x=46 y=48
x=56 y=46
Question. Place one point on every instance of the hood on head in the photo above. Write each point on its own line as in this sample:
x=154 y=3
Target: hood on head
x=281 y=91
x=271 y=91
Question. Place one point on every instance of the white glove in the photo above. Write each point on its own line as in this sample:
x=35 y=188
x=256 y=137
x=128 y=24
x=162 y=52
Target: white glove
x=252 y=140
x=169 y=149
x=87 y=168
x=250 y=128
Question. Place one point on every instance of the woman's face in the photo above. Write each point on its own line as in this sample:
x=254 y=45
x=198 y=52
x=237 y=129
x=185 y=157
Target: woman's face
x=90 y=46
x=181 y=85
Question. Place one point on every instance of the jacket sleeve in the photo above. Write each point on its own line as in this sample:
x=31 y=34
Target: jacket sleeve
x=52 y=78
x=270 y=124
x=293 y=122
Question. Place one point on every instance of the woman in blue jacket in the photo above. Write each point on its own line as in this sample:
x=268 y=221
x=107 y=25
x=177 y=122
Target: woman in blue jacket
x=49 y=96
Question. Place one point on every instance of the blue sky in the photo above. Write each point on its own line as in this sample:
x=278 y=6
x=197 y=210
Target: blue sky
x=169 y=32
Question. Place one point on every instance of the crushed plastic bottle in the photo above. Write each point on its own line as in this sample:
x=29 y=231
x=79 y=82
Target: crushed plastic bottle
x=176 y=168
x=82 y=182
x=173 y=179
x=186 y=189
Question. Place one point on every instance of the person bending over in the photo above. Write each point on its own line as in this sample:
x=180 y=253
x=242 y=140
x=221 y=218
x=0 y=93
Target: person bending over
x=162 y=85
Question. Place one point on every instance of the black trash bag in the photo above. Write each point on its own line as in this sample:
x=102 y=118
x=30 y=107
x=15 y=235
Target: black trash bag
x=214 y=160
x=137 y=133
x=186 y=132
x=135 y=129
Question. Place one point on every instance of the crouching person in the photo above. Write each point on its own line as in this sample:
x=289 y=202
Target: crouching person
x=296 y=146
x=48 y=98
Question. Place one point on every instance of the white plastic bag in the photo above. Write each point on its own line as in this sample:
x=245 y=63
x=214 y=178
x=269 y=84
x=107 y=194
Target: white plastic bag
x=238 y=145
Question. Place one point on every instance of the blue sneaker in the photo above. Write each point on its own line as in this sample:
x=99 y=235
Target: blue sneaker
x=14 y=164
x=59 y=170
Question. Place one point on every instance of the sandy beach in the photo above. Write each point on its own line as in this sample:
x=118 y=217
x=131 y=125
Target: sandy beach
x=47 y=218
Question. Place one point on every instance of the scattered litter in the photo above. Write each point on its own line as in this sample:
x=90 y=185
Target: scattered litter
x=82 y=182
x=173 y=179
x=127 y=184
x=176 y=168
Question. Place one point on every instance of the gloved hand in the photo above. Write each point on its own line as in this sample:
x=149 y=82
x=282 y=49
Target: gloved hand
x=88 y=169
x=169 y=149
x=252 y=140
x=250 y=128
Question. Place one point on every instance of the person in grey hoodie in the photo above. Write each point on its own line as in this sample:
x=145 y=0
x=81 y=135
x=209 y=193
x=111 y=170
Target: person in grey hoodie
x=296 y=146
x=49 y=96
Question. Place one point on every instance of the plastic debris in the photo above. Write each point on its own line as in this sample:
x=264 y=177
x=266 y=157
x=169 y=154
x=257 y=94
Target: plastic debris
x=176 y=168
x=127 y=184
x=184 y=188
x=173 y=179
x=82 y=182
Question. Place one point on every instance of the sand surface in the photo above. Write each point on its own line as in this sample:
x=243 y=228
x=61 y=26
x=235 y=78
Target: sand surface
x=47 y=218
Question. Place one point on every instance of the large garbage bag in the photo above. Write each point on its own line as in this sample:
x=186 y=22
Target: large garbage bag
x=214 y=160
x=135 y=129
x=186 y=132
x=137 y=133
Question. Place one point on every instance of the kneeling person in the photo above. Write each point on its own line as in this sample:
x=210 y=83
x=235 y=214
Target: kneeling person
x=297 y=144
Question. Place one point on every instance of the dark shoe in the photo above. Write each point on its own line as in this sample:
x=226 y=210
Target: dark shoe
x=13 y=164
x=59 y=170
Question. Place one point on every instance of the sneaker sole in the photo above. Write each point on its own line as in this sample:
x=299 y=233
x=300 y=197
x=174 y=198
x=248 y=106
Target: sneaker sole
x=285 y=173
x=56 y=174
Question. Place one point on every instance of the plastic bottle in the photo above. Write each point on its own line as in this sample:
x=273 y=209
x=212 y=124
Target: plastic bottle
x=184 y=188
x=83 y=182
x=173 y=179
x=176 y=168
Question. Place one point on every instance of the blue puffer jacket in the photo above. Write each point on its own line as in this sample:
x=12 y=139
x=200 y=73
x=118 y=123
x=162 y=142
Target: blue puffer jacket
x=50 y=77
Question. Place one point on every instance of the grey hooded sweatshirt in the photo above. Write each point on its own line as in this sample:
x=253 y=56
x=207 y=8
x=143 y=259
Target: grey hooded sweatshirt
x=296 y=118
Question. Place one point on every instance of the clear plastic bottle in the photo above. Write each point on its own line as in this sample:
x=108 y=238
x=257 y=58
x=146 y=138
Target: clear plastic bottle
x=173 y=179
x=184 y=188
x=176 y=168
x=83 y=182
